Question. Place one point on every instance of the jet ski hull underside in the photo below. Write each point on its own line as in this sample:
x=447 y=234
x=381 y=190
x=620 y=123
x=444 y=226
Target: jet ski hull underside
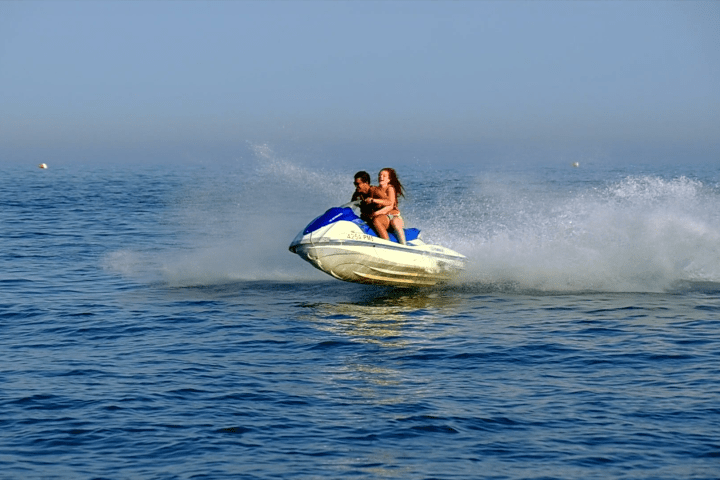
x=379 y=264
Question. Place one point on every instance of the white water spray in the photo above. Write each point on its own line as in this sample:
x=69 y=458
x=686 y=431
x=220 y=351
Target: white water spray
x=641 y=234
x=637 y=234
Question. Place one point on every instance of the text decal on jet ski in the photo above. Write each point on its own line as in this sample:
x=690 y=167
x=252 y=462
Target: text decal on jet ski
x=359 y=236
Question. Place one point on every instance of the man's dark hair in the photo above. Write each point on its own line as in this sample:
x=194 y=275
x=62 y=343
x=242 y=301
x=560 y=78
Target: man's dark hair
x=362 y=175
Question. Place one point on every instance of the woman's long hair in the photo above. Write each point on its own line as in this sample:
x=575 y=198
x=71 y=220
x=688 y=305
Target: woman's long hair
x=395 y=182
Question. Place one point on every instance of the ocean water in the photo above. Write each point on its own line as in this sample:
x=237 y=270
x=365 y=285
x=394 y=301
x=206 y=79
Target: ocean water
x=153 y=324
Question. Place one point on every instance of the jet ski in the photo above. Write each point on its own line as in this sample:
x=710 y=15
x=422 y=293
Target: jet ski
x=341 y=244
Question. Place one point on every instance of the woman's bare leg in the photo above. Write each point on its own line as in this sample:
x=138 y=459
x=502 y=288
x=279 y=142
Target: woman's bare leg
x=398 y=225
x=381 y=224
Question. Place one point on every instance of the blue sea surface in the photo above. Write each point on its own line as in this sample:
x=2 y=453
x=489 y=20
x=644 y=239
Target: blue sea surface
x=153 y=324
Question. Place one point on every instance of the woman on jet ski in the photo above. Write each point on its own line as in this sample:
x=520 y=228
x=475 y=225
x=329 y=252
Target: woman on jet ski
x=385 y=197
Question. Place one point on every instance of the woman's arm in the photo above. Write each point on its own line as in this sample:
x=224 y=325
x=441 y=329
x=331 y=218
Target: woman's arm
x=392 y=194
x=388 y=204
x=388 y=200
x=382 y=211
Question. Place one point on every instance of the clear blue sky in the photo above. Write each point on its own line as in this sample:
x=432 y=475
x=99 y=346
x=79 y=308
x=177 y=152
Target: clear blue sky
x=91 y=78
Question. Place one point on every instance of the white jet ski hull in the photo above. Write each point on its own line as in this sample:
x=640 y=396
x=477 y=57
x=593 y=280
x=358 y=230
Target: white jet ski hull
x=343 y=249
